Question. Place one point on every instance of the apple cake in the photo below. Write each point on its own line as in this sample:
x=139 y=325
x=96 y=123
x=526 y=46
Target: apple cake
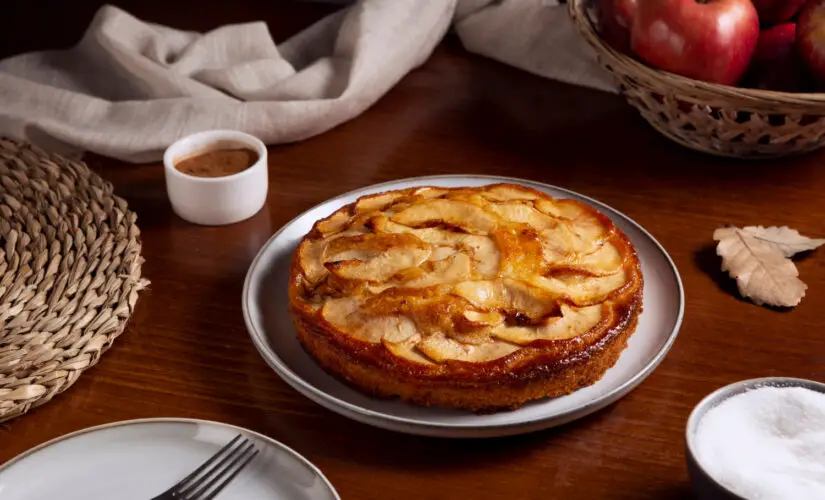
x=475 y=298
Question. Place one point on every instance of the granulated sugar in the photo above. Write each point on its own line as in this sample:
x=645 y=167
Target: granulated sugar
x=766 y=443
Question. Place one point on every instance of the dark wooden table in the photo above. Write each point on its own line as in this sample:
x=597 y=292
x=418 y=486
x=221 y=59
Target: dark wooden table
x=186 y=352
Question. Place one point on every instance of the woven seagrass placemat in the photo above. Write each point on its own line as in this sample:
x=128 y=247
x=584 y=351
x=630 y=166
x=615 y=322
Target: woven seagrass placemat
x=69 y=273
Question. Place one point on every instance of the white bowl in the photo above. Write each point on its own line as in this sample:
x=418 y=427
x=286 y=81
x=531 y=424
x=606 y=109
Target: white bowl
x=705 y=486
x=215 y=201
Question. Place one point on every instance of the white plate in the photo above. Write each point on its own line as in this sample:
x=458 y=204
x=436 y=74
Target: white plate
x=139 y=459
x=265 y=306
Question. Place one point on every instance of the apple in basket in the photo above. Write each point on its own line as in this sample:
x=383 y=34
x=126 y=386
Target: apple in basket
x=614 y=19
x=776 y=63
x=710 y=40
x=810 y=37
x=772 y=12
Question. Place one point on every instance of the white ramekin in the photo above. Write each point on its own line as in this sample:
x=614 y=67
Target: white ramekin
x=215 y=201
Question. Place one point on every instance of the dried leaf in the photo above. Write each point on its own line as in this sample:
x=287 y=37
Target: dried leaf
x=787 y=240
x=760 y=268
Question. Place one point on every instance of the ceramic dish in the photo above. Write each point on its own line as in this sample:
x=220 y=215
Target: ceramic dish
x=706 y=487
x=268 y=321
x=216 y=201
x=138 y=459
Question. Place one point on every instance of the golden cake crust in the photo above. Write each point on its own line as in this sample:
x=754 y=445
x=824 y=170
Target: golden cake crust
x=474 y=298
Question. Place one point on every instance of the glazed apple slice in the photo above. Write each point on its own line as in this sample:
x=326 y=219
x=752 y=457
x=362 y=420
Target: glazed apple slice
x=508 y=295
x=524 y=213
x=375 y=202
x=604 y=261
x=334 y=223
x=521 y=250
x=574 y=322
x=508 y=192
x=346 y=314
x=460 y=214
x=407 y=350
x=380 y=268
x=482 y=250
x=310 y=255
x=454 y=269
x=374 y=257
x=581 y=289
x=441 y=348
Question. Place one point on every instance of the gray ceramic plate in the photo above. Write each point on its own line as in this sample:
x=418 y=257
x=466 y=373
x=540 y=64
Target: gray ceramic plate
x=138 y=459
x=265 y=311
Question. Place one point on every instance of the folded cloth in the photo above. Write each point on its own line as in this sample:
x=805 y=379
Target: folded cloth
x=130 y=88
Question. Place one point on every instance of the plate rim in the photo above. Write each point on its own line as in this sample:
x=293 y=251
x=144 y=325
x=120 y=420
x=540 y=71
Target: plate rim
x=171 y=420
x=292 y=379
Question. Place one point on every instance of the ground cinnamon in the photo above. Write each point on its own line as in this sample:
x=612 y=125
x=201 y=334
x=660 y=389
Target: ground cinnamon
x=218 y=163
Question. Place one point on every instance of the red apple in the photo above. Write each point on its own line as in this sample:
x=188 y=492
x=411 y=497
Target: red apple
x=810 y=37
x=776 y=11
x=625 y=11
x=614 y=21
x=710 y=40
x=776 y=64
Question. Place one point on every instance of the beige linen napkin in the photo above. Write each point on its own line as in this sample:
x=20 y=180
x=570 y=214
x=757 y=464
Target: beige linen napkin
x=130 y=88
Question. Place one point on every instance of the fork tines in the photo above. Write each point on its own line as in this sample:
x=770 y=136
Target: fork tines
x=205 y=482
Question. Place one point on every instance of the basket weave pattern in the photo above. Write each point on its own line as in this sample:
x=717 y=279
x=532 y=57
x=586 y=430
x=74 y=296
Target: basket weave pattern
x=70 y=273
x=717 y=119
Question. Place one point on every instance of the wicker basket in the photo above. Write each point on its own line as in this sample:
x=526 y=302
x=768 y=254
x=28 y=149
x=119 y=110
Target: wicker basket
x=716 y=119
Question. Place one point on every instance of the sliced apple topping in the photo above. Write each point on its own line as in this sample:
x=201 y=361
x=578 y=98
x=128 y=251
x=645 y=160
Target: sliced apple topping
x=464 y=275
x=441 y=348
x=338 y=312
x=524 y=213
x=346 y=315
x=483 y=319
x=484 y=252
x=397 y=300
x=474 y=327
x=569 y=239
x=382 y=224
x=583 y=222
x=454 y=269
x=508 y=192
x=470 y=197
x=376 y=202
x=407 y=350
x=463 y=215
x=521 y=250
x=582 y=289
x=548 y=207
x=606 y=260
x=430 y=192
x=558 y=243
x=441 y=252
x=570 y=209
x=310 y=255
x=334 y=223
x=573 y=322
x=380 y=268
x=370 y=245
x=482 y=249
x=472 y=337
x=392 y=328
x=508 y=295
x=374 y=257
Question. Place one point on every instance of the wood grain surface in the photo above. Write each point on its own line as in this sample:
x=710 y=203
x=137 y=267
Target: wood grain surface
x=186 y=352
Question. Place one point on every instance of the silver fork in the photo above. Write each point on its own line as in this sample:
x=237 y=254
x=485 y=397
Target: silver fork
x=205 y=482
